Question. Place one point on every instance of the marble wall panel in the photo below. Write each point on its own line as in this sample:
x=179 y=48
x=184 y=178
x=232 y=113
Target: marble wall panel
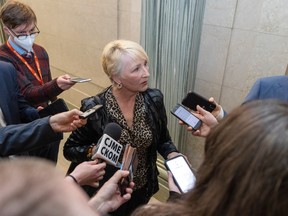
x=130 y=5
x=257 y=46
x=253 y=55
x=208 y=89
x=129 y=25
x=266 y=16
x=194 y=150
x=231 y=98
x=220 y=12
x=213 y=53
x=129 y=19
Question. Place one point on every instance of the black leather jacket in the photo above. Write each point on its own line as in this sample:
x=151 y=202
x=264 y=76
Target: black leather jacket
x=78 y=143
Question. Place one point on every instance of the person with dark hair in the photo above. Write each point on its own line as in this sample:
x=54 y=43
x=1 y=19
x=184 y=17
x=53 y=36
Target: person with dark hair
x=140 y=112
x=244 y=171
x=31 y=63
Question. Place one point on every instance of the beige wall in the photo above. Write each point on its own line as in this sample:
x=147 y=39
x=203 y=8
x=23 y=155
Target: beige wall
x=75 y=32
x=242 y=40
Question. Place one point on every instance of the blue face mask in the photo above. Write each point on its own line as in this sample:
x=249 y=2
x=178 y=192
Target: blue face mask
x=26 y=44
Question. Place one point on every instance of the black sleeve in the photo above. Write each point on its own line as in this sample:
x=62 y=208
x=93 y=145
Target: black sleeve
x=165 y=145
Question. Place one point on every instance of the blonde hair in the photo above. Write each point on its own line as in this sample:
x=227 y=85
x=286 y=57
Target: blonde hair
x=115 y=50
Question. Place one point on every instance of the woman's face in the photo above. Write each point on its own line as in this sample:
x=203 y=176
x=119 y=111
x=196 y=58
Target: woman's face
x=135 y=74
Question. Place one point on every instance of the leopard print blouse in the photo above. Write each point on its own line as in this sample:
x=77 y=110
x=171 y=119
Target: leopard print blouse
x=138 y=136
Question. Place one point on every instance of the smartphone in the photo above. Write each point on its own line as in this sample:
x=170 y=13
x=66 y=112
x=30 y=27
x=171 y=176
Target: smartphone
x=129 y=162
x=182 y=173
x=80 y=79
x=186 y=116
x=193 y=99
x=89 y=112
x=53 y=108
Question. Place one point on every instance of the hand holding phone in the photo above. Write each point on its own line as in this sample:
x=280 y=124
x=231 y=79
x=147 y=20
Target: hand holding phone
x=182 y=173
x=186 y=116
x=193 y=99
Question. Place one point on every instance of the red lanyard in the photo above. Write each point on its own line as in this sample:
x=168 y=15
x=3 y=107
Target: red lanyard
x=32 y=71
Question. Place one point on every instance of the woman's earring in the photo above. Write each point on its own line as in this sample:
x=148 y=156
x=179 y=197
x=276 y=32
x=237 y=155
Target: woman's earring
x=119 y=85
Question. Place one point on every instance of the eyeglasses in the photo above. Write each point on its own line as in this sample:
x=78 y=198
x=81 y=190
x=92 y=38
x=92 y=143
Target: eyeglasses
x=24 y=36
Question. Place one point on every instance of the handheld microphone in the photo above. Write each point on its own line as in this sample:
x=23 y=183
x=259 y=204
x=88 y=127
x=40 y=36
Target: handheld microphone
x=108 y=149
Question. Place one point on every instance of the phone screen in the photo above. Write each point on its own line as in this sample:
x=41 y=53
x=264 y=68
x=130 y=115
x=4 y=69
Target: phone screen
x=182 y=173
x=186 y=116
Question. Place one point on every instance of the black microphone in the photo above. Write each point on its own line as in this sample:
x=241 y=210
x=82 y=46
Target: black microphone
x=107 y=148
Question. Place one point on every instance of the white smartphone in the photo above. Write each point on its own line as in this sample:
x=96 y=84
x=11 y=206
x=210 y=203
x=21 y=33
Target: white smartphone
x=182 y=173
x=186 y=116
x=80 y=79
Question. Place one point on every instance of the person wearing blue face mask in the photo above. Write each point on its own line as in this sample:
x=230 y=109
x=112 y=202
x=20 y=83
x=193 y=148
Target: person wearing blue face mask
x=31 y=62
